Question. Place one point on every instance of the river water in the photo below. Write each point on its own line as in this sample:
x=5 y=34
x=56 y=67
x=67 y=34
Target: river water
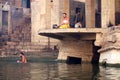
x=53 y=70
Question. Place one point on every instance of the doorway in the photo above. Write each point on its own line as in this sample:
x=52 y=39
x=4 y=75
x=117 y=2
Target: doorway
x=5 y=22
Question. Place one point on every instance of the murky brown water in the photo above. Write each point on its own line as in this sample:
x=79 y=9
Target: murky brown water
x=52 y=70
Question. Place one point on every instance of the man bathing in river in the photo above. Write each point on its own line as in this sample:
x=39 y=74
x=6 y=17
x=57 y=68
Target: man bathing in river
x=23 y=58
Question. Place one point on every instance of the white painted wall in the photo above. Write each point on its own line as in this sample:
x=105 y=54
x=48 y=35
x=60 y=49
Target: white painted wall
x=111 y=56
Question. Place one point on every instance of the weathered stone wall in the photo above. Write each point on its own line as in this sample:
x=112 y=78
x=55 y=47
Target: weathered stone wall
x=22 y=32
x=19 y=36
x=21 y=24
x=111 y=37
x=43 y=17
x=17 y=3
x=81 y=49
x=111 y=46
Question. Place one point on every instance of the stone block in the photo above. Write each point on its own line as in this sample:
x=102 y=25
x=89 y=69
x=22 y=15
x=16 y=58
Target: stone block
x=75 y=49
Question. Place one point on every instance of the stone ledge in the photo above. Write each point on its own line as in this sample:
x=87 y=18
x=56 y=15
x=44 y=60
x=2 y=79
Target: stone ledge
x=109 y=48
x=75 y=33
x=71 y=30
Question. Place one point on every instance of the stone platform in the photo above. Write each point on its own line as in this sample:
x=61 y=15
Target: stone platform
x=77 y=33
x=75 y=42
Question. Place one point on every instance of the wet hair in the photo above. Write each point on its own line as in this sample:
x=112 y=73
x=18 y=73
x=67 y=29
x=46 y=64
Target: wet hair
x=65 y=13
x=22 y=53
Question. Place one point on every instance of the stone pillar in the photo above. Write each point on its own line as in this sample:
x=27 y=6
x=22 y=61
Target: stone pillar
x=90 y=13
x=55 y=12
x=38 y=19
x=9 y=21
x=107 y=13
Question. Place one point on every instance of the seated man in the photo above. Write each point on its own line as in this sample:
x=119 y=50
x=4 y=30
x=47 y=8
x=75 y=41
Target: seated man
x=65 y=21
x=78 y=20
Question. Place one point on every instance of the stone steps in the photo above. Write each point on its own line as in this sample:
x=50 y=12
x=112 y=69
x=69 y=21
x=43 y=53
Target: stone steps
x=30 y=49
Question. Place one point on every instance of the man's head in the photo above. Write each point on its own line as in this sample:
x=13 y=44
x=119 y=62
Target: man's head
x=64 y=14
x=79 y=12
x=21 y=53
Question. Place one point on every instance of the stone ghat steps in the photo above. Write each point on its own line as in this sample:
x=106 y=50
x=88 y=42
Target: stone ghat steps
x=30 y=49
x=29 y=45
x=31 y=54
x=30 y=59
x=9 y=59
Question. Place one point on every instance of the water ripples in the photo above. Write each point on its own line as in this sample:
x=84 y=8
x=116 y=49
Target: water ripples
x=56 y=71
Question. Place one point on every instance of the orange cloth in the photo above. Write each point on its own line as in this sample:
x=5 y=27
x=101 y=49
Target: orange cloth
x=65 y=20
x=65 y=23
x=64 y=26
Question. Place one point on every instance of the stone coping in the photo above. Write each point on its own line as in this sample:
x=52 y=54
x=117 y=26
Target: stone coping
x=114 y=28
x=72 y=30
x=109 y=48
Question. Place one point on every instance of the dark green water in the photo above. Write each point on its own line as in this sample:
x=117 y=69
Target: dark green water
x=52 y=70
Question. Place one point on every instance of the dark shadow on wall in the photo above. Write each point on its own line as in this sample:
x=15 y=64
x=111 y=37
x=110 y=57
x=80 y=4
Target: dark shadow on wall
x=98 y=14
x=117 y=18
x=96 y=55
x=98 y=20
x=26 y=3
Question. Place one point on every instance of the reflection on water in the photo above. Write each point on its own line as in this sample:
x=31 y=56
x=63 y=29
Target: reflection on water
x=13 y=71
x=109 y=73
x=52 y=70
